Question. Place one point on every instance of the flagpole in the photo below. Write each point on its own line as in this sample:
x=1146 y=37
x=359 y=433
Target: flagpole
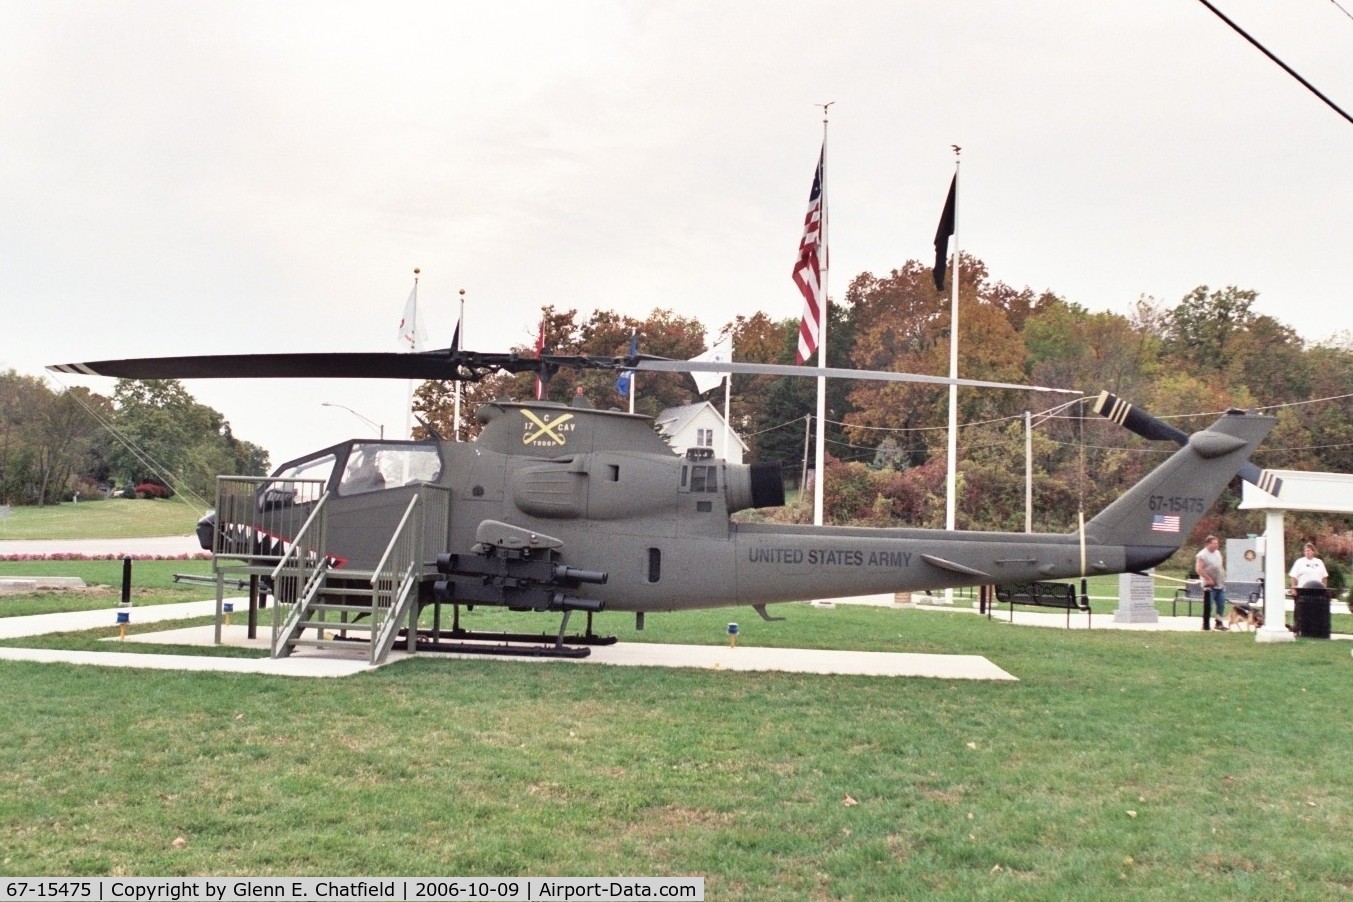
x=727 y=390
x=819 y=455
x=634 y=374
x=951 y=480
x=807 y=434
x=540 y=353
x=460 y=335
x=413 y=330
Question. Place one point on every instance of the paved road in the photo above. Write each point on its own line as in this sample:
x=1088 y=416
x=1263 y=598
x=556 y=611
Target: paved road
x=165 y=546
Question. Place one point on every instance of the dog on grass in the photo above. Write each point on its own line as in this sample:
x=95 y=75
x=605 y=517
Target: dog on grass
x=1250 y=615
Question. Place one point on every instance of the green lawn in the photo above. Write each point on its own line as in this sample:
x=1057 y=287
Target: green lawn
x=152 y=583
x=1203 y=766
x=113 y=518
x=1122 y=764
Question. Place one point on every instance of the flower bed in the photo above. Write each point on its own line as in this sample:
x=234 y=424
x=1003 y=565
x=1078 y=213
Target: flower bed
x=76 y=556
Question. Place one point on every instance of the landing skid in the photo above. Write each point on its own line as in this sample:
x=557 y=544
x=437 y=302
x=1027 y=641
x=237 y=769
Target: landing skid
x=471 y=642
x=468 y=642
x=539 y=645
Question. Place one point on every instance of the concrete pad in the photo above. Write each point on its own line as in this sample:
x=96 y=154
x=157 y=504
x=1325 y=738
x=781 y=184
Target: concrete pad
x=646 y=654
x=296 y=665
x=342 y=662
x=234 y=635
x=17 y=585
x=797 y=660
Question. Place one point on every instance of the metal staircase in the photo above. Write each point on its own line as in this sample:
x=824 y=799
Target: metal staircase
x=316 y=604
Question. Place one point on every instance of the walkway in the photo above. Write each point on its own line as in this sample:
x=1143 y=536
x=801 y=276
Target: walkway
x=157 y=546
x=336 y=662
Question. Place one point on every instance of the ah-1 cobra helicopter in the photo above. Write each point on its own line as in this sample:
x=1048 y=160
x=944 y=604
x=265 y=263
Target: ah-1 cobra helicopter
x=552 y=498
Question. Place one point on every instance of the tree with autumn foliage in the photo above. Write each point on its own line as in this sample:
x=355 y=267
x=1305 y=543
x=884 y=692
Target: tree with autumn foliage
x=607 y=334
x=901 y=323
x=886 y=441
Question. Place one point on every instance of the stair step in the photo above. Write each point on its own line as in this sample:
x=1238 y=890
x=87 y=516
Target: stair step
x=341 y=608
x=324 y=643
x=335 y=626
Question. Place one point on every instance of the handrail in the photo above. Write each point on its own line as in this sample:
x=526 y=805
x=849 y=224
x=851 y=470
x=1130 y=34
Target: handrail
x=299 y=544
x=277 y=528
x=253 y=515
x=416 y=542
x=296 y=581
x=390 y=581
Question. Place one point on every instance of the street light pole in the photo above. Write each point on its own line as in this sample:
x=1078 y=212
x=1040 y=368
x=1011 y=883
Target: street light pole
x=460 y=343
x=370 y=422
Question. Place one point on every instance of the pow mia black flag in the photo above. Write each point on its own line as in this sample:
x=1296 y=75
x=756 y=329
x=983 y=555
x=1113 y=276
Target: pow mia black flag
x=942 y=235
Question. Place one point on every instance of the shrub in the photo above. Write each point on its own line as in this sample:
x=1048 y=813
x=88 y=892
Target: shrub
x=151 y=490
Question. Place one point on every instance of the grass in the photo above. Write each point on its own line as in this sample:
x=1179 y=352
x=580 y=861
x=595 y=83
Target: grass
x=116 y=518
x=1122 y=764
x=152 y=583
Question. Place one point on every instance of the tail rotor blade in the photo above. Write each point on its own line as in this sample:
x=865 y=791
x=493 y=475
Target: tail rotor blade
x=1142 y=423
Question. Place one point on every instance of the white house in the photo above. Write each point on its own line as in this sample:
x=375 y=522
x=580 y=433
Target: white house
x=699 y=426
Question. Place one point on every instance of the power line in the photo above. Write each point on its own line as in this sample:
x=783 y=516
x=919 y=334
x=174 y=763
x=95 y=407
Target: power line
x=1286 y=68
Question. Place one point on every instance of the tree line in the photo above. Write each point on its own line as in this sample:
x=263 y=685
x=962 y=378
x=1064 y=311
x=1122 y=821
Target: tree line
x=1185 y=361
x=148 y=438
x=886 y=441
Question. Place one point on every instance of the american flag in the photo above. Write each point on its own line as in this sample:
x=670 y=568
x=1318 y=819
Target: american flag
x=1165 y=523
x=808 y=271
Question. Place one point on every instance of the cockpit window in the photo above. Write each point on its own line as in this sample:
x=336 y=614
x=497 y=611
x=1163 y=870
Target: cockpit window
x=372 y=466
x=294 y=485
x=315 y=468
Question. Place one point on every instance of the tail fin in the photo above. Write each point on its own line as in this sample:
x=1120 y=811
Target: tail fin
x=1139 y=421
x=1157 y=514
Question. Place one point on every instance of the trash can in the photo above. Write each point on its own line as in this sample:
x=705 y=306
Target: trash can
x=1311 y=612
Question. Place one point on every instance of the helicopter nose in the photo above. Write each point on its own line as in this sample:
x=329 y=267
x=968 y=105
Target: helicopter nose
x=206 y=530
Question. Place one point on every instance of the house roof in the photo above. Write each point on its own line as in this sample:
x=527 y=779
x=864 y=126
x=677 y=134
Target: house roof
x=674 y=419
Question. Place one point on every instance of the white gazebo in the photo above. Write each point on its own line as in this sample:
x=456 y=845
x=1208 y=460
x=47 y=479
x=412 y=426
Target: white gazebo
x=1300 y=491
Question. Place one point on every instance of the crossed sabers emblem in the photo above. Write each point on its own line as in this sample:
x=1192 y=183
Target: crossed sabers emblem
x=545 y=430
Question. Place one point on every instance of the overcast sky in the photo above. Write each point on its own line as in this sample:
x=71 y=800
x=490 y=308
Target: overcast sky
x=232 y=177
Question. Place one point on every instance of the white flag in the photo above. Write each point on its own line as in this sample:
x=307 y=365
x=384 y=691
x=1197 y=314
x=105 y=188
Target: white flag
x=722 y=352
x=412 y=335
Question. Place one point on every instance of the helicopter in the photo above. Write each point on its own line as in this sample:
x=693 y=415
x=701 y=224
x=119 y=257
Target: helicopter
x=572 y=509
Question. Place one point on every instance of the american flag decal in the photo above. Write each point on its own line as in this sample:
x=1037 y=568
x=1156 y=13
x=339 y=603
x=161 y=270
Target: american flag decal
x=1165 y=523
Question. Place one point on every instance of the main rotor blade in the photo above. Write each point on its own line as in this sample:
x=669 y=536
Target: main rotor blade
x=450 y=364
x=442 y=364
x=256 y=366
x=776 y=369
x=1142 y=423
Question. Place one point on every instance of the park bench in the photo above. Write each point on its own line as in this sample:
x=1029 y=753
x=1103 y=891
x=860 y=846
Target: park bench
x=1044 y=595
x=1192 y=591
